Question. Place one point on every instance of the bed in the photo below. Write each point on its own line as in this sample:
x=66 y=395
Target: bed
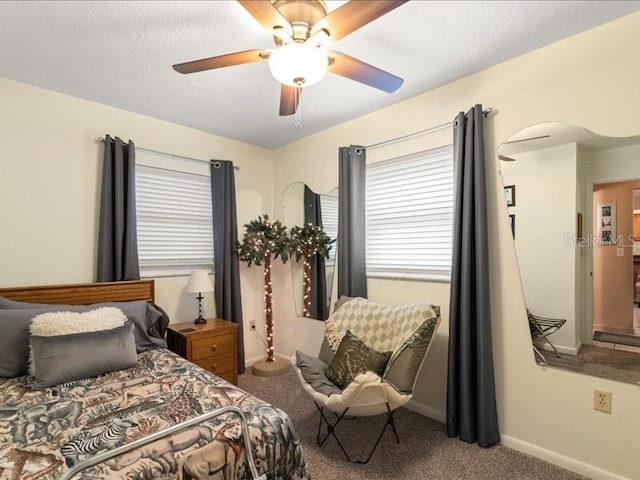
x=47 y=432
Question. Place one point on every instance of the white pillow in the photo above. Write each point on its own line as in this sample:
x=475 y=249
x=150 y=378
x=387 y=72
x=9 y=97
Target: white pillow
x=53 y=324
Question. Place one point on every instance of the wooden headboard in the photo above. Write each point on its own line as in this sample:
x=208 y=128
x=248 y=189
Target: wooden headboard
x=83 y=293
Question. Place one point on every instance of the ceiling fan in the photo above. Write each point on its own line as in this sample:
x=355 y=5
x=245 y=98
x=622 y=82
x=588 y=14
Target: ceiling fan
x=302 y=29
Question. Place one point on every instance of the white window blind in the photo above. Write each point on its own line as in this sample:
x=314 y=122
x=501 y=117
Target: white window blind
x=409 y=216
x=329 y=208
x=175 y=232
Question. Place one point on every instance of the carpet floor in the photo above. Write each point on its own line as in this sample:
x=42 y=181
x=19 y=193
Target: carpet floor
x=599 y=362
x=424 y=451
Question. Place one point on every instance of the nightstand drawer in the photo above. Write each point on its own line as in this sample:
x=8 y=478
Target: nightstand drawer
x=221 y=364
x=212 y=346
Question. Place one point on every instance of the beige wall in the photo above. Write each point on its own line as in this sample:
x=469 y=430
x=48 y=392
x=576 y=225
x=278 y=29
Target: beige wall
x=590 y=80
x=49 y=190
x=613 y=280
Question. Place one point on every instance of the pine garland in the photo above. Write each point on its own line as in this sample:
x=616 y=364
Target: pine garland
x=309 y=240
x=263 y=239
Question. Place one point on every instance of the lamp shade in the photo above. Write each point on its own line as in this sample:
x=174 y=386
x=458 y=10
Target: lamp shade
x=298 y=64
x=199 y=282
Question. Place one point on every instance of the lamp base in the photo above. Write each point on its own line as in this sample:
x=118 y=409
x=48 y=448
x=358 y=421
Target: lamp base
x=200 y=320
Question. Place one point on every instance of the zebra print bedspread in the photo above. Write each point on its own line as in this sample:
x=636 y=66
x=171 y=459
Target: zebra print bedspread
x=44 y=432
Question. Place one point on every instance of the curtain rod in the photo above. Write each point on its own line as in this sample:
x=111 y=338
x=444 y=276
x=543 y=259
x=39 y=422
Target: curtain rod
x=101 y=140
x=437 y=128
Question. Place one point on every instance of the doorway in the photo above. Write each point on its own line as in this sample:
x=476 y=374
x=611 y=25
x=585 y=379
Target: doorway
x=616 y=265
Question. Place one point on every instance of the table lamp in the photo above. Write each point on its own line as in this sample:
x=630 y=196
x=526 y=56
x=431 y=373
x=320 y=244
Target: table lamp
x=199 y=282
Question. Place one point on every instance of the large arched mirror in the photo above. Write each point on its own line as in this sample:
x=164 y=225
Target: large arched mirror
x=301 y=206
x=574 y=205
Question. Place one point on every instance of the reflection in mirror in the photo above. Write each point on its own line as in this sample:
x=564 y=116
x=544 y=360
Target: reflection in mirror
x=578 y=243
x=301 y=205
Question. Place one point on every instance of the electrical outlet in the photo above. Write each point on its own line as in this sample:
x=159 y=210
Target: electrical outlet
x=252 y=324
x=602 y=401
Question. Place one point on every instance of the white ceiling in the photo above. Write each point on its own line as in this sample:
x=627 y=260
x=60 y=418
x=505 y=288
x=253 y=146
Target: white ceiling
x=121 y=53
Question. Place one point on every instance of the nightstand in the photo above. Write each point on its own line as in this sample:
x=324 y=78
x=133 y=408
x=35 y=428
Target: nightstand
x=212 y=345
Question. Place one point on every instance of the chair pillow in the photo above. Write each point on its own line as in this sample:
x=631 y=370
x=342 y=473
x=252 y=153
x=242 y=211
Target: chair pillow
x=312 y=370
x=402 y=372
x=149 y=322
x=64 y=358
x=354 y=357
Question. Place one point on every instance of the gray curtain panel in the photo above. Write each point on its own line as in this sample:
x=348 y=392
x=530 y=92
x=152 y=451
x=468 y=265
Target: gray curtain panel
x=225 y=239
x=471 y=397
x=313 y=214
x=117 y=234
x=352 y=274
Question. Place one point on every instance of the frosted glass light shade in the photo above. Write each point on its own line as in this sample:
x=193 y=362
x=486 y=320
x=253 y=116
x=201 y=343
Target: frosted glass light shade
x=199 y=282
x=298 y=64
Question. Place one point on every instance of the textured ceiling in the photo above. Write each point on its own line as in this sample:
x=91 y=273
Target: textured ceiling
x=120 y=54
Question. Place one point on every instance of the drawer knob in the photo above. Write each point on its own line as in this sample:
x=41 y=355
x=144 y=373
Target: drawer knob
x=214 y=366
x=214 y=347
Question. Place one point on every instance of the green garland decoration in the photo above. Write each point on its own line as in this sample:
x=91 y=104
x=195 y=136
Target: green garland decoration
x=264 y=238
x=309 y=240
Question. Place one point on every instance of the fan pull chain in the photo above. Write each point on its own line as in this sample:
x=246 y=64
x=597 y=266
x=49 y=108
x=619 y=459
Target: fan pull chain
x=297 y=117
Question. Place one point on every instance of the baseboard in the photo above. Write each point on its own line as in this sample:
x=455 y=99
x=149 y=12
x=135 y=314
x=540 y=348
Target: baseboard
x=426 y=411
x=608 y=329
x=561 y=348
x=557 y=459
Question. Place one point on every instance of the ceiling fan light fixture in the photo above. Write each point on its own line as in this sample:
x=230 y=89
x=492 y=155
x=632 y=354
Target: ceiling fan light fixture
x=298 y=64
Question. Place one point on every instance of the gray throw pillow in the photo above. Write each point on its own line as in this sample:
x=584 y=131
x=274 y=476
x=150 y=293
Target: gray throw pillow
x=65 y=358
x=312 y=370
x=145 y=317
x=14 y=341
x=354 y=357
x=402 y=372
x=326 y=354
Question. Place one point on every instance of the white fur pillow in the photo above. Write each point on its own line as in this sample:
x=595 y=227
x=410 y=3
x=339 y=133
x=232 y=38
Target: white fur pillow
x=53 y=324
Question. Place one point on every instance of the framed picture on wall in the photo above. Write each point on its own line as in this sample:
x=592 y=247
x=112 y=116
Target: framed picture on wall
x=510 y=195
x=607 y=223
x=512 y=221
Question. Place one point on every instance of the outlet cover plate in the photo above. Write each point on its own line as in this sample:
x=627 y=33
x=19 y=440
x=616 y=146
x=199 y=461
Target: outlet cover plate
x=602 y=401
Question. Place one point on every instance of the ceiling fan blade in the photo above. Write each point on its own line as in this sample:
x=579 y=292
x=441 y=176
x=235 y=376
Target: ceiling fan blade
x=289 y=97
x=359 y=71
x=353 y=15
x=228 y=60
x=265 y=13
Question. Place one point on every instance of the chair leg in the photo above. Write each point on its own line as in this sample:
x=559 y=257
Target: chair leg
x=331 y=432
x=552 y=345
x=544 y=360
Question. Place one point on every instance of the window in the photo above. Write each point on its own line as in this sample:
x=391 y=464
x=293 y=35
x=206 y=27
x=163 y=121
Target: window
x=329 y=208
x=175 y=233
x=409 y=218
